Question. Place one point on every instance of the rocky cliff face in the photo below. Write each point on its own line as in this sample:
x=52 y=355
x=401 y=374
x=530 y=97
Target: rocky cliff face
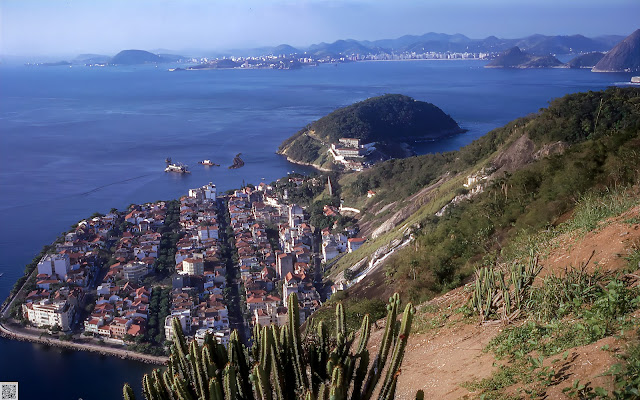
x=624 y=57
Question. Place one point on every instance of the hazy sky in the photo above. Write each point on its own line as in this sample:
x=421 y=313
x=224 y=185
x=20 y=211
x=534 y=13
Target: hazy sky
x=66 y=27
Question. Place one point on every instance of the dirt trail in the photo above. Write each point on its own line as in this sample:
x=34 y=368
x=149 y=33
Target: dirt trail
x=437 y=363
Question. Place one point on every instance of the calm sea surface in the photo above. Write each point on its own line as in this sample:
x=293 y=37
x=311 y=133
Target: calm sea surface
x=78 y=140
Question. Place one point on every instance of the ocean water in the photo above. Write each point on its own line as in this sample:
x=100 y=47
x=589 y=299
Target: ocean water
x=78 y=140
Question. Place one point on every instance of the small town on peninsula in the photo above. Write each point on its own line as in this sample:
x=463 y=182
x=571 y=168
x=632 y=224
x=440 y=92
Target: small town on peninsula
x=214 y=262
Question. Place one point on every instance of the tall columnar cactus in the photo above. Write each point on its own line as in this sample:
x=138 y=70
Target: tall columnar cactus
x=282 y=365
x=215 y=390
x=398 y=354
x=295 y=341
x=387 y=340
x=238 y=359
x=127 y=392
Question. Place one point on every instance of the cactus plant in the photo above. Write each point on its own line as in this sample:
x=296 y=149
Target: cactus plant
x=504 y=294
x=127 y=392
x=284 y=365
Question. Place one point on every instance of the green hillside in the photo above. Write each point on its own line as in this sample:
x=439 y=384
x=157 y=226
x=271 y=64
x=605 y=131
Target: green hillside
x=599 y=132
x=391 y=118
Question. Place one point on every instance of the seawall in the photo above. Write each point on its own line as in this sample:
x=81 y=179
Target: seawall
x=13 y=334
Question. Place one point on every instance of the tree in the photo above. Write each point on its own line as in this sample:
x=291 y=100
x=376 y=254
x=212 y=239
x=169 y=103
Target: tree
x=348 y=274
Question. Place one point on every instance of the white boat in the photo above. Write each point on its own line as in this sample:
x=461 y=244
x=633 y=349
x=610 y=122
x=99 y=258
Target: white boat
x=208 y=163
x=177 y=167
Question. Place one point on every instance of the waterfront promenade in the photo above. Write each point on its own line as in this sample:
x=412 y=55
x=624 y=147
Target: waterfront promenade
x=26 y=334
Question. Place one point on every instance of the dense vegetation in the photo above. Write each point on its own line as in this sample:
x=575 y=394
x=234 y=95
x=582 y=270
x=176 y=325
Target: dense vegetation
x=152 y=342
x=389 y=118
x=602 y=128
x=303 y=148
x=165 y=263
x=400 y=178
x=283 y=364
x=571 y=119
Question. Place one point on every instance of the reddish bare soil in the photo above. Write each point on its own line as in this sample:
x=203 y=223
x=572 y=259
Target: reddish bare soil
x=449 y=353
x=445 y=351
x=440 y=361
x=610 y=243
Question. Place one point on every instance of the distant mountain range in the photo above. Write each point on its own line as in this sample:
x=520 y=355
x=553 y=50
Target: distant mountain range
x=125 y=57
x=441 y=42
x=624 y=57
x=132 y=57
x=533 y=46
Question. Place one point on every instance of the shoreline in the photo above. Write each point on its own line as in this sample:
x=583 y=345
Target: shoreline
x=328 y=63
x=11 y=334
x=304 y=163
x=426 y=59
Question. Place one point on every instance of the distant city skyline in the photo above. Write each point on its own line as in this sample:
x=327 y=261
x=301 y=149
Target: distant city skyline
x=194 y=27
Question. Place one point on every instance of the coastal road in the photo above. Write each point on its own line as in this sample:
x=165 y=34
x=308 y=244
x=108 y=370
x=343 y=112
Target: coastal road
x=23 y=334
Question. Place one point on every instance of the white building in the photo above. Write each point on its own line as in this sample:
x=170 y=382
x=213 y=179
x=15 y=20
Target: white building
x=104 y=289
x=57 y=264
x=210 y=191
x=329 y=250
x=193 y=266
x=207 y=192
x=48 y=313
x=184 y=317
x=221 y=337
x=201 y=333
x=270 y=316
x=340 y=153
x=92 y=325
x=135 y=271
x=350 y=142
x=354 y=244
x=296 y=215
x=208 y=232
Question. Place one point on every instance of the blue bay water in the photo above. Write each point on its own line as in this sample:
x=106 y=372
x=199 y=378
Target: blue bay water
x=78 y=140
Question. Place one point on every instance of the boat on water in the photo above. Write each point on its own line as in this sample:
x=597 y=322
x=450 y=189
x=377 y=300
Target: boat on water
x=177 y=167
x=208 y=163
x=635 y=79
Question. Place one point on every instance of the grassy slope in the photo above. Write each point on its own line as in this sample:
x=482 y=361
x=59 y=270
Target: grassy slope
x=577 y=327
x=604 y=152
